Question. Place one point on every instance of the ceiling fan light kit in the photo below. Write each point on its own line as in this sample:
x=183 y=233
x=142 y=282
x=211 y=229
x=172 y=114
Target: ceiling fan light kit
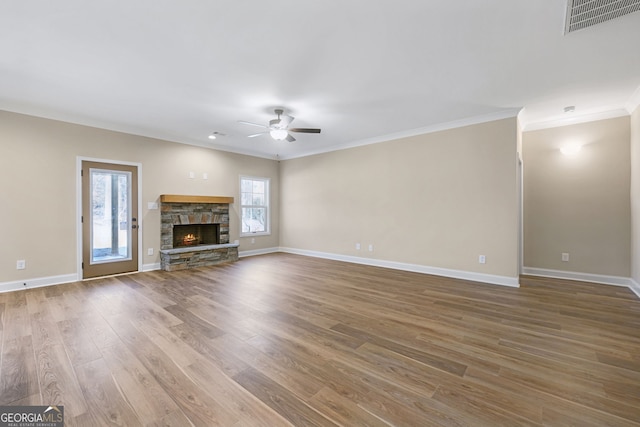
x=278 y=128
x=278 y=134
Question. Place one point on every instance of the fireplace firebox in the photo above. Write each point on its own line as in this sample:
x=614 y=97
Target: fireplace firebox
x=195 y=235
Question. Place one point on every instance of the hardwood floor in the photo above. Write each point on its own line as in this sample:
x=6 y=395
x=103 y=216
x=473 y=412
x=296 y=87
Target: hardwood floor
x=288 y=340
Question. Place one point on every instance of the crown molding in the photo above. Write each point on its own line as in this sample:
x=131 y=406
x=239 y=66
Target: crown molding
x=469 y=121
x=633 y=102
x=575 y=119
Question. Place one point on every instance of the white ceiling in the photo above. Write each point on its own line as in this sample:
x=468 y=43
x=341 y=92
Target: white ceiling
x=361 y=70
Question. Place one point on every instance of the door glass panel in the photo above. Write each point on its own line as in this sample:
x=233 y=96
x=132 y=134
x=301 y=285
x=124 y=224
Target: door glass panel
x=111 y=223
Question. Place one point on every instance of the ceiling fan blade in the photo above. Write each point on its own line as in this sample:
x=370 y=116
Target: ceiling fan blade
x=285 y=121
x=256 y=134
x=290 y=138
x=304 y=130
x=252 y=124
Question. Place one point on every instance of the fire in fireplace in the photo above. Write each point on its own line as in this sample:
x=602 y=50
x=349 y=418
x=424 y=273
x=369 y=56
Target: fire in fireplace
x=196 y=234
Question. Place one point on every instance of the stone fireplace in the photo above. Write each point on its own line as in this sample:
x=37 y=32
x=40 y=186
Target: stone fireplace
x=195 y=232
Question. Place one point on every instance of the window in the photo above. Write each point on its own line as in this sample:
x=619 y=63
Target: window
x=254 y=196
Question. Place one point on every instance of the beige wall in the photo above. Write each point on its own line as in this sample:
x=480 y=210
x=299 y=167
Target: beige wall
x=436 y=200
x=579 y=204
x=38 y=188
x=635 y=195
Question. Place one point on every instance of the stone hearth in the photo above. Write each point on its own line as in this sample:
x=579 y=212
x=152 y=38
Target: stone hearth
x=195 y=210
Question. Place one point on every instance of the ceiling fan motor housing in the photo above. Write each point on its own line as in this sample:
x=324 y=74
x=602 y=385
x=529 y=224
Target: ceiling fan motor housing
x=274 y=123
x=279 y=127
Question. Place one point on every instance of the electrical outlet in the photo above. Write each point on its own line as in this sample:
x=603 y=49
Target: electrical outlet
x=150 y=251
x=192 y=175
x=205 y=175
x=482 y=259
x=370 y=248
x=357 y=246
x=253 y=240
x=152 y=205
x=565 y=257
x=21 y=264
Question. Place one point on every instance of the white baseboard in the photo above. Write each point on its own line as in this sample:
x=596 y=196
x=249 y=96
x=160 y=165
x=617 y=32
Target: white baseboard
x=243 y=254
x=456 y=274
x=151 y=267
x=68 y=278
x=580 y=277
x=38 y=282
x=585 y=277
x=635 y=287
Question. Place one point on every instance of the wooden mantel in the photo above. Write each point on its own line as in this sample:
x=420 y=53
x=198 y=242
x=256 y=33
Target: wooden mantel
x=176 y=198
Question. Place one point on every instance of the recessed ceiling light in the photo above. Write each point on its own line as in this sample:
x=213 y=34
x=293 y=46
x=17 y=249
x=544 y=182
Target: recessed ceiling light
x=215 y=134
x=212 y=136
x=570 y=109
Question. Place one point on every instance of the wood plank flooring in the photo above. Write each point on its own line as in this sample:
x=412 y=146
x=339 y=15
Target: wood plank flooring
x=280 y=340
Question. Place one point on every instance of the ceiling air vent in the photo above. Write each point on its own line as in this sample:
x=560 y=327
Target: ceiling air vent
x=585 y=13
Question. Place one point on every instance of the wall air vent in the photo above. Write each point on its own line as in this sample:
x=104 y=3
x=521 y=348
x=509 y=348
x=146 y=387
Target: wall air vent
x=585 y=13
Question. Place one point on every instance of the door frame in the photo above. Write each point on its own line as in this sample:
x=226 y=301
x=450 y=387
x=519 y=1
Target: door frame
x=79 y=160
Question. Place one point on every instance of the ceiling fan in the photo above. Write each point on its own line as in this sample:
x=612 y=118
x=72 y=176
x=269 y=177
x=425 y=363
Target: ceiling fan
x=279 y=128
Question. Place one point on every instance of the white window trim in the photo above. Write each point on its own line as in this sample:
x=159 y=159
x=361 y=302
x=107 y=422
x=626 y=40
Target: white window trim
x=267 y=205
